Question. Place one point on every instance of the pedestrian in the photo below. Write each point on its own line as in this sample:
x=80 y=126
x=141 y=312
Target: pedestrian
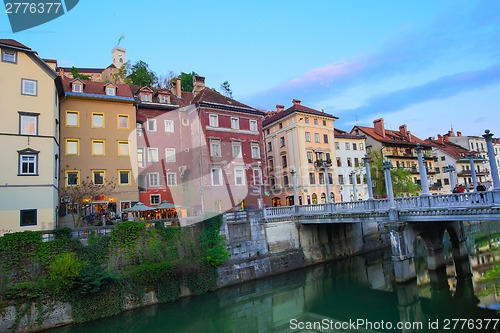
x=481 y=188
x=460 y=189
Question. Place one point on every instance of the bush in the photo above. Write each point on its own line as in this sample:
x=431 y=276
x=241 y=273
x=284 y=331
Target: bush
x=23 y=290
x=64 y=270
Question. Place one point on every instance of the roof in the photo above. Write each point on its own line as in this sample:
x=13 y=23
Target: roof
x=96 y=88
x=183 y=100
x=338 y=133
x=14 y=43
x=275 y=115
x=452 y=149
x=392 y=137
x=82 y=70
x=210 y=98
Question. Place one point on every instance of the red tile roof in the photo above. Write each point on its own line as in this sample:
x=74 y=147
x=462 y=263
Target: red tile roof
x=338 y=133
x=91 y=87
x=208 y=95
x=14 y=43
x=273 y=116
x=452 y=149
x=391 y=137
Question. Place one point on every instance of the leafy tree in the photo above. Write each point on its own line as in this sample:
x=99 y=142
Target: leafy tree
x=402 y=182
x=84 y=193
x=141 y=75
x=77 y=75
x=164 y=81
x=187 y=81
x=226 y=89
x=120 y=76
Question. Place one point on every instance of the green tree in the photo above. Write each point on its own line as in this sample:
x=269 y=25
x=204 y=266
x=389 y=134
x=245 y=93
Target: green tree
x=77 y=75
x=141 y=75
x=226 y=89
x=187 y=81
x=402 y=183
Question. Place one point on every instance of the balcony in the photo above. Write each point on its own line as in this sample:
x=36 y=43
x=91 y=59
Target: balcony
x=322 y=164
x=468 y=173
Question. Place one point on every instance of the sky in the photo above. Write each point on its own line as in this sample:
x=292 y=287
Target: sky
x=432 y=65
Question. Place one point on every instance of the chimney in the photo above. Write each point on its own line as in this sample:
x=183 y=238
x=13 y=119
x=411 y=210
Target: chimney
x=378 y=126
x=296 y=101
x=61 y=72
x=198 y=84
x=440 y=138
x=280 y=107
x=403 y=130
x=450 y=133
x=178 y=87
x=408 y=135
x=459 y=133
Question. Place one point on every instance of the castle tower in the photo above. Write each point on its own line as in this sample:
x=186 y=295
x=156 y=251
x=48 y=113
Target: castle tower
x=119 y=56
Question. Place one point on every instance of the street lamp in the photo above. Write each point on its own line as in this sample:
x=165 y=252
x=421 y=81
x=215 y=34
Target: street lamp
x=450 y=168
x=470 y=155
x=292 y=172
x=353 y=180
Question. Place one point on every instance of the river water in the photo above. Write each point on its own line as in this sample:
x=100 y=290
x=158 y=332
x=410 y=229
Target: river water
x=356 y=294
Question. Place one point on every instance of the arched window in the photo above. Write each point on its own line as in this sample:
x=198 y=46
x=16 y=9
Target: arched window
x=314 y=199
x=323 y=198
x=332 y=197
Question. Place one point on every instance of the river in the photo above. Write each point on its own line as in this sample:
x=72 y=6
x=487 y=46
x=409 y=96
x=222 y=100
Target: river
x=357 y=294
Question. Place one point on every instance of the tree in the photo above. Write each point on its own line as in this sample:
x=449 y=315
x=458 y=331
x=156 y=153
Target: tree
x=187 y=81
x=164 y=81
x=226 y=89
x=141 y=75
x=402 y=182
x=84 y=193
x=120 y=76
x=77 y=75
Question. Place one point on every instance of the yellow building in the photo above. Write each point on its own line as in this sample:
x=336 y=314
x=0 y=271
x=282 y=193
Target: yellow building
x=299 y=142
x=29 y=90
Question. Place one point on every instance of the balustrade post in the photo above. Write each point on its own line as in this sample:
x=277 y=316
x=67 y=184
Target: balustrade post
x=369 y=183
x=387 y=166
x=491 y=157
x=424 y=183
x=470 y=155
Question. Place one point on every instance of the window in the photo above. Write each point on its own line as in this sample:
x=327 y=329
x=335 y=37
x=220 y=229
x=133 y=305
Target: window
x=268 y=131
x=306 y=120
x=98 y=148
x=77 y=87
x=154 y=199
x=283 y=161
x=72 y=177
x=358 y=179
x=257 y=177
x=308 y=137
x=322 y=178
x=123 y=148
x=170 y=155
x=169 y=126
x=271 y=164
x=255 y=150
x=72 y=119
x=330 y=178
x=317 y=138
x=349 y=162
x=337 y=145
x=152 y=125
x=215 y=149
x=269 y=146
x=28 y=162
x=282 y=141
x=154 y=179
x=347 y=146
x=29 y=87
x=235 y=123
x=72 y=146
x=146 y=97
x=310 y=157
x=98 y=177
x=446 y=181
x=324 y=122
x=285 y=181
x=361 y=146
x=140 y=157
x=239 y=176
x=140 y=129
x=312 y=178
x=124 y=177
x=9 y=56
x=356 y=161
x=325 y=138
x=341 y=179
x=253 y=126
x=152 y=154
x=110 y=91
x=28 y=123
x=339 y=162
x=280 y=125
x=354 y=146
x=236 y=146
x=213 y=120
x=216 y=176
x=97 y=120
x=27 y=217
x=123 y=121
x=171 y=179
x=328 y=157
x=164 y=99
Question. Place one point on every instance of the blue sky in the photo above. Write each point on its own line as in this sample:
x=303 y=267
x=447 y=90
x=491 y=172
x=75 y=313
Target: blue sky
x=429 y=64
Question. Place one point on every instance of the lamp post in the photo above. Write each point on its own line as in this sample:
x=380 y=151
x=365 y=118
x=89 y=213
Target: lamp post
x=470 y=155
x=353 y=180
x=66 y=199
x=422 y=170
x=292 y=172
x=387 y=166
x=450 y=168
x=491 y=157
x=366 y=159
x=261 y=203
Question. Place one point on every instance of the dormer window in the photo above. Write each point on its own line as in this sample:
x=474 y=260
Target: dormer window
x=165 y=99
x=110 y=91
x=77 y=87
x=146 y=97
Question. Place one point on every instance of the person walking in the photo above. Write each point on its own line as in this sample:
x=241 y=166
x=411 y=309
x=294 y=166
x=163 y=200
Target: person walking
x=480 y=189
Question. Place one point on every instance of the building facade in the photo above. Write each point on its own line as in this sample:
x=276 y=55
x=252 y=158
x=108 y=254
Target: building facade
x=299 y=144
x=98 y=142
x=29 y=140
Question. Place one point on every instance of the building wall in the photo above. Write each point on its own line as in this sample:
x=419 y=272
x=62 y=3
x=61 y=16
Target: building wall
x=28 y=192
x=110 y=162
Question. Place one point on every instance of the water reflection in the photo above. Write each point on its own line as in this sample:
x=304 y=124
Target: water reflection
x=357 y=288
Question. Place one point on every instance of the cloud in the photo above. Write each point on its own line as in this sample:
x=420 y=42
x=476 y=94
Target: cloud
x=464 y=32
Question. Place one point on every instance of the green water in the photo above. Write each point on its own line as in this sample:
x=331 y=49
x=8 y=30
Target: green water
x=335 y=296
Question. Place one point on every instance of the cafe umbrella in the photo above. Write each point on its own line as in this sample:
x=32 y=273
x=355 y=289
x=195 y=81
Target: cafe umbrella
x=137 y=208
